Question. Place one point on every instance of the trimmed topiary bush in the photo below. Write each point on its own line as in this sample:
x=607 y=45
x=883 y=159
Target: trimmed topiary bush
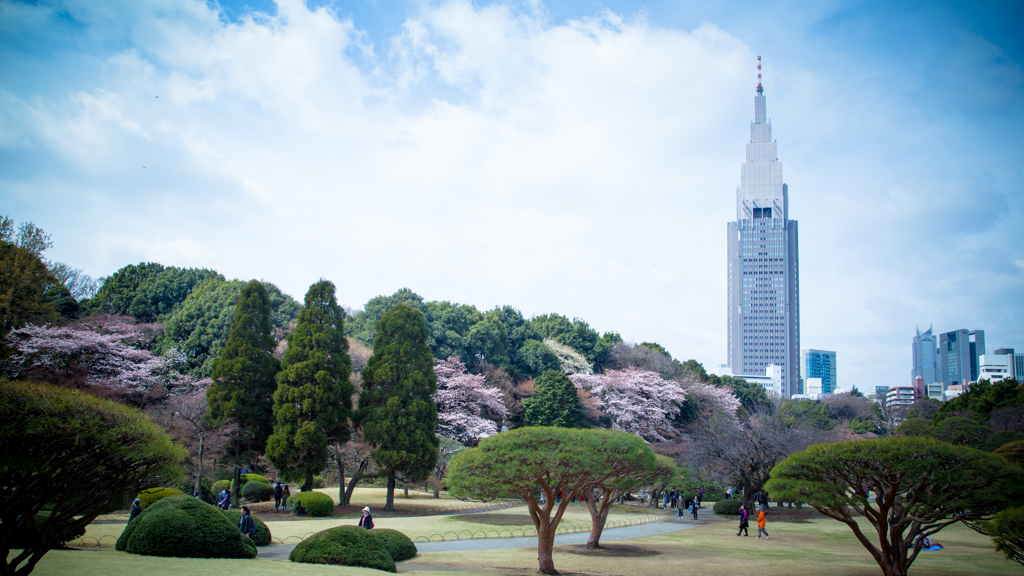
x=184 y=527
x=257 y=492
x=344 y=546
x=311 y=503
x=399 y=545
x=262 y=536
x=150 y=496
x=730 y=507
x=219 y=486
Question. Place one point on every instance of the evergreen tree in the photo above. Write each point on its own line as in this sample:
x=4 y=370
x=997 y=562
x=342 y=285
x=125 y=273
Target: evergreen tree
x=244 y=377
x=313 y=401
x=396 y=408
x=554 y=403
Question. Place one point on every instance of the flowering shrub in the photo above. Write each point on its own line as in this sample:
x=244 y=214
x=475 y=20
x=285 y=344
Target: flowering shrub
x=462 y=399
x=637 y=401
x=569 y=360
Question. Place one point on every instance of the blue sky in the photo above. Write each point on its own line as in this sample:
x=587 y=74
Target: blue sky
x=576 y=157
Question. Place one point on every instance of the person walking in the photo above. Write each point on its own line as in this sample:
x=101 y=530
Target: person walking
x=286 y=495
x=760 y=524
x=278 y=493
x=136 y=509
x=744 y=516
x=246 y=524
x=224 y=500
x=696 y=506
x=367 y=520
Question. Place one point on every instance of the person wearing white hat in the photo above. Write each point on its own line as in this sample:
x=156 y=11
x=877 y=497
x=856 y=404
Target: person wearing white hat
x=367 y=520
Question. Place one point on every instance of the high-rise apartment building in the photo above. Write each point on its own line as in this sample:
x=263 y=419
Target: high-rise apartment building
x=764 y=297
x=958 y=356
x=819 y=364
x=925 y=357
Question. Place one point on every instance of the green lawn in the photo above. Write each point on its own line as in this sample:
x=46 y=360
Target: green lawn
x=807 y=548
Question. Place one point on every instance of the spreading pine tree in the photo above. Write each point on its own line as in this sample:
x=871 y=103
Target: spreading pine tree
x=313 y=401
x=554 y=403
x=244 y=378
x=396 y=408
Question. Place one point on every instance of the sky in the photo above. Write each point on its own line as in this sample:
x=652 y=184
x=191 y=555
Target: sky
x=571 y=157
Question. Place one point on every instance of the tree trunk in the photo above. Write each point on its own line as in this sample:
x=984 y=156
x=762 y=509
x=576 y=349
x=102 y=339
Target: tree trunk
x=545 y=542
x=341 y=475
x=437 y=488
x=199 y=469
x=236 y=487
x=389 y=504
x=356 y=477
x=307 y=486
x=406 y=488
x=598 y=517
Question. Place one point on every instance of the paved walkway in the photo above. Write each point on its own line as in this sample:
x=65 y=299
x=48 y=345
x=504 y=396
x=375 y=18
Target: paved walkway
x=281 y=551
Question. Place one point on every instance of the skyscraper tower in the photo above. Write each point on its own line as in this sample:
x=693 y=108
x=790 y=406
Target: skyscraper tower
x=925 y=357
x=764 y=287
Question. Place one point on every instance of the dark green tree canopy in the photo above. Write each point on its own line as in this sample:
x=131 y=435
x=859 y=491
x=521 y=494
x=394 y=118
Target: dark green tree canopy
x=363 y=326
x=148 y=289
x=24 y=283
x=313 y=401
x=75 y=454
x=577 y=334
x=554 y=403
x=534 y=358
x=199 y=327
x=396 y=407
x=984 y=397
x=922 y=484
x=244 y=375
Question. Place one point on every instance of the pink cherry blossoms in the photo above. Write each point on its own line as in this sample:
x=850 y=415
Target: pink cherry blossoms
x=100 y=352
x=637 y=401
x=462 y=402
x=710 y=398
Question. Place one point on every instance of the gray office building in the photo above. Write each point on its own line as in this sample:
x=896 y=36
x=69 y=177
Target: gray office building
x=764 y=297
x=958 y=356
x=926 y=363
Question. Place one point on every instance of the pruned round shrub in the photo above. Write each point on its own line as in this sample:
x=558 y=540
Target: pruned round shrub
x=262 y=535
x=312 y=504
x=344 y=546
x=245 y=479
x=219 y=486
x=399 y=545
x=184 y=527
x=730 y=507
x=150 y=496
x=257 y=492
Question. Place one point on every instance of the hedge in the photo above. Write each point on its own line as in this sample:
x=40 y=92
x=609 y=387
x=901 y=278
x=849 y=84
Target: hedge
x=311 y=503
x=150 y=496
x=730 y=507
x=257 y=492
x=399 y=545
x=262 y=536
x=184 y=527
x=344 y=546
x=219 y=486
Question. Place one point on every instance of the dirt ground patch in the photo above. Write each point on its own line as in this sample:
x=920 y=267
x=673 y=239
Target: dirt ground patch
x=612 y=551
x=497 y=519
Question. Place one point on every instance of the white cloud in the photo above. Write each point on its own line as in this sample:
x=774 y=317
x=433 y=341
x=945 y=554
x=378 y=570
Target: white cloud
x=487 y=156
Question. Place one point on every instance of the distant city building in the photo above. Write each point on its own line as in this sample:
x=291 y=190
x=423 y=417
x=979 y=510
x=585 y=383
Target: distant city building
x=1016 y=363
x=880 y=392
x=920 y=388
x=811 y=389
x=764 y=298
x=958 y=356
x=901 y=396
x=771 y=380
x=925 y=357
x=953 y=391
x=820 y=364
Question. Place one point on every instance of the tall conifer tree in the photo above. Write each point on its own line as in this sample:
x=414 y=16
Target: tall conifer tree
x=396 y=408
x=554 y=403
x=244 y=377
x=313 y=401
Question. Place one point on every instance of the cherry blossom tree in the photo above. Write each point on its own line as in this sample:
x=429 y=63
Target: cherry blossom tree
x=465 y=405
x=637 y=401
x=710 y=398
x=103 y=352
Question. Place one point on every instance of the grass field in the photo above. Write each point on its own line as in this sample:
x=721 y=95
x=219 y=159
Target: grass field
x=805 y=548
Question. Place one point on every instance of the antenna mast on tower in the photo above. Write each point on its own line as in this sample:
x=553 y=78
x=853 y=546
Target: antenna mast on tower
x=760 y=90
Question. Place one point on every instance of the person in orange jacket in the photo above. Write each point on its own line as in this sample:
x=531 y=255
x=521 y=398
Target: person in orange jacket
x=760 y=524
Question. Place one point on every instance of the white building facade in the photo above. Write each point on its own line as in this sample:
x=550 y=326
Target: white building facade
x=764 y=297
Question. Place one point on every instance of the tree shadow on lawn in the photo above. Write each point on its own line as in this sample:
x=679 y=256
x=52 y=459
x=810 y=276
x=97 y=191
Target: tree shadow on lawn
x=611 y=551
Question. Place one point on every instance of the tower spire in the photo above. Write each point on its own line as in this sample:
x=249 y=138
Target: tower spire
x=760 y=89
